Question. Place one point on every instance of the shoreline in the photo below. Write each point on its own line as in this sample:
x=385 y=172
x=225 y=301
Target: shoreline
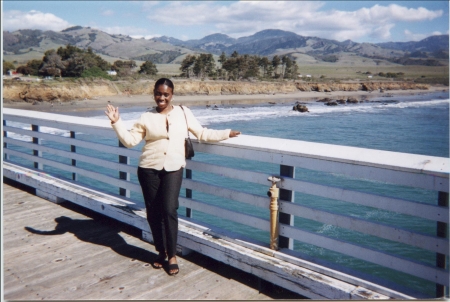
x=126 y=103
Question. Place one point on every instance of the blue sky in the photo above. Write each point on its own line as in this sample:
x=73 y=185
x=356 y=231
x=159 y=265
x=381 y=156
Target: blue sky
x=359 y=21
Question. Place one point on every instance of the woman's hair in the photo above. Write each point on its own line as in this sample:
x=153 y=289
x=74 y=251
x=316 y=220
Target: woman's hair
x=164 y=81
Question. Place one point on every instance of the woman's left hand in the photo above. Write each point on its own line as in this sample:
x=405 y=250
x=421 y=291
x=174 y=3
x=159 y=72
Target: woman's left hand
x=234 y=133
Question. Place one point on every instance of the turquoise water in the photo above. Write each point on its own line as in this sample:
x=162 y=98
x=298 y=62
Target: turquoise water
x=414 y=124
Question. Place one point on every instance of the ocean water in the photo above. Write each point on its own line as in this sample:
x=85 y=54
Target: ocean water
x=417 y=124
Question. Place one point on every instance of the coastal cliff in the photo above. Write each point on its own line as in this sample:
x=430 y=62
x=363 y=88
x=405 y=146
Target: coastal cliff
x=55 y=91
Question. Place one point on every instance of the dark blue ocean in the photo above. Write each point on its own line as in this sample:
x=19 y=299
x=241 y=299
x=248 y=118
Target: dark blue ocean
x=417 y=124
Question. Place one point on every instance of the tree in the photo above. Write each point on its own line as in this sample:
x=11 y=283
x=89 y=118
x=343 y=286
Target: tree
x=270 y=70
x=123 y=68
x=289 y=69
x=284 y=60
x=252 y=67
x=68 y=51
x=204 y=65
x=148 y=68
x=35 y=65
x=222 y=58
x=23 y=69
x=232 y=67
x=294 y=70
x=187 y=64
x=8 y=66
x=264 y=63
x=77 y=61
x=275 y=63
x=117 y=65
x=52 y=64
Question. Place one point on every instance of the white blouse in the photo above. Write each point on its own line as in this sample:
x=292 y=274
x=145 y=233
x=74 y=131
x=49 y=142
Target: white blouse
x=164 y=137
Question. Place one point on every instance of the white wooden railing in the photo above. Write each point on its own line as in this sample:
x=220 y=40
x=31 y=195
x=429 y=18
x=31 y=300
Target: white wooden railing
x=25 y=145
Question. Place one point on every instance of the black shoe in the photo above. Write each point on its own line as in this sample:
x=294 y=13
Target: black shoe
x=173 y=266
x=159 y=261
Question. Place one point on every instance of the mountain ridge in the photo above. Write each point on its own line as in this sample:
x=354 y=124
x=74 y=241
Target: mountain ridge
x=268 y=42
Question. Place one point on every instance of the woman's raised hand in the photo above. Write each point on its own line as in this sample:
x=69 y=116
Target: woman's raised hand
x=234 y=133
x=112 y=113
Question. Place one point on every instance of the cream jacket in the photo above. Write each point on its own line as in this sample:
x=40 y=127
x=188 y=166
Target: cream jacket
x=164 y=137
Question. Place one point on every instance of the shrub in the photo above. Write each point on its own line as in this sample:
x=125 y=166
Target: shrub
x=95 y=72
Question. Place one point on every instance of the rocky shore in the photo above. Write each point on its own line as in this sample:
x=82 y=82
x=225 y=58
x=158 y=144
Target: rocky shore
x=89 y=95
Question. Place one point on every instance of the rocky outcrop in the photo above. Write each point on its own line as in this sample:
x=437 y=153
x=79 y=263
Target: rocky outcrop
x=55 y=91
x=68 y=90
x=228 y=88
x=324 y=100
x=352 y=100
x=300 y=108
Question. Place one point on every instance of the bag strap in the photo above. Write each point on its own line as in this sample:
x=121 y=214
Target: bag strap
x=187 y=126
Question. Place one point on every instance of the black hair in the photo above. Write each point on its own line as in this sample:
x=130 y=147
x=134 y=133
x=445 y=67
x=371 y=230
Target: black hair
x=164 y=81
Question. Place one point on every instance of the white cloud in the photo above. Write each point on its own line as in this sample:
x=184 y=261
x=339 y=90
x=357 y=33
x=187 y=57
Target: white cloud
x=302 y=17
x=414 y=37
x=108 y=12
x=410 y=36
x=146 y=37
x=15 y=19
x=147 y=5
x=134 y=32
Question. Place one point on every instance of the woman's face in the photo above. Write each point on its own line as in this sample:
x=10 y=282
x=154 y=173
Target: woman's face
x=163 y=97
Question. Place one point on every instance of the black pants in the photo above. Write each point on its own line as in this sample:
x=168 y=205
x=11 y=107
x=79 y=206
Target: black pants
x=161 y=190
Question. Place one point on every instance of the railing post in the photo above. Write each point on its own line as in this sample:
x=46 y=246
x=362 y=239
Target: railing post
x=442 y=231
x=74 y=161
x=38 y=153
x=124 y=175
x=286 y=195
x=189 y=212
x=5 y=145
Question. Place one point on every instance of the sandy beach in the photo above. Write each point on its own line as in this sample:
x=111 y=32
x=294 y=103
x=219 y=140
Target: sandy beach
x=125 y=102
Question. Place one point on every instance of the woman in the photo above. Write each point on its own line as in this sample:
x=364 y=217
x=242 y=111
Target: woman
x=161 y=164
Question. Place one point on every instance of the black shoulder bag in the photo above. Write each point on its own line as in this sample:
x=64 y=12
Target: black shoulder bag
x=188 y=148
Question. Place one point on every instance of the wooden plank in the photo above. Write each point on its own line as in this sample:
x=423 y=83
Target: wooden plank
x=297 y=279
x=77 y=267
x=397 y=161
x=69 y=168
x=421 y=270
x=162 y=286
x=431 y=243
x=76 y=142
x=71 y=155
x=408 y=174
x=58 y=121
x=303 y=281
x=408 y=207
x=252 y=199
x=392 y=233
x=383 y=202
x=250 y=220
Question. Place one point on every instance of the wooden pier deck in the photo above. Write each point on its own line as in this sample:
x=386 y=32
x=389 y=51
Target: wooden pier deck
x=65 y=252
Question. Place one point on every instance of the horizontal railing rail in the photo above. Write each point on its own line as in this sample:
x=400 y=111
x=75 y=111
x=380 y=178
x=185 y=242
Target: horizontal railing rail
x=78 y=147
